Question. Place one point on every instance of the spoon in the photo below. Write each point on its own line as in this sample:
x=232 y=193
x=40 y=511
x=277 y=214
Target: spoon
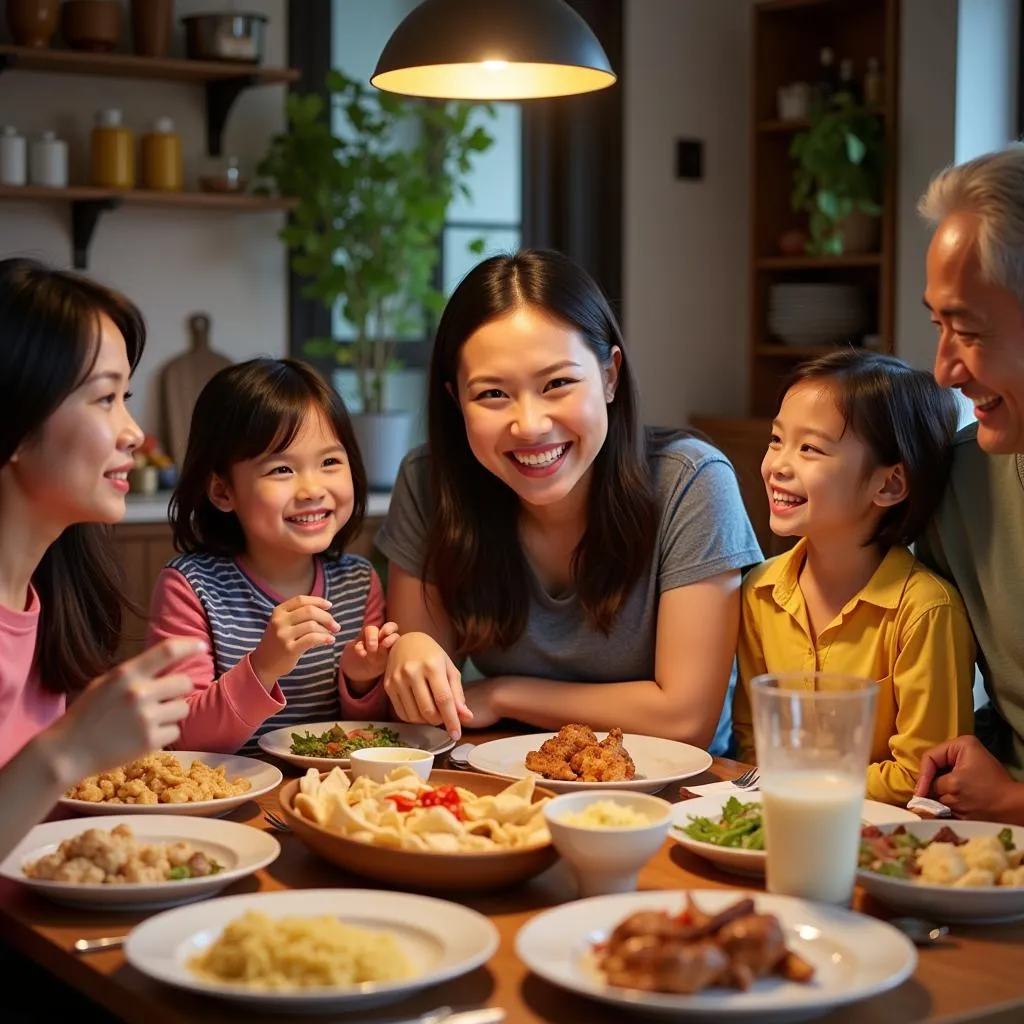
x=919 y=931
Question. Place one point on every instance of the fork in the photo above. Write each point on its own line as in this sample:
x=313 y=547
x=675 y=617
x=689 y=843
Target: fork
x=275 y=822
x=747 y=779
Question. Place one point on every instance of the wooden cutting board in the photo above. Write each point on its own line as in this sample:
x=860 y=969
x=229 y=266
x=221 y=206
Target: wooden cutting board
x=181 y=380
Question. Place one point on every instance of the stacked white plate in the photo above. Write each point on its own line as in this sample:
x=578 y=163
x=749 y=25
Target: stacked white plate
x=818 y=313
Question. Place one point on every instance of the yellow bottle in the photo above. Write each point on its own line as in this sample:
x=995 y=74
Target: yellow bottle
x=161 y=157
x=112 y=152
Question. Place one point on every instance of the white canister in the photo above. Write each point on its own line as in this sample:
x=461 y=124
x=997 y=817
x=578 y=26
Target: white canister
x=48 y=163
x=12 y=157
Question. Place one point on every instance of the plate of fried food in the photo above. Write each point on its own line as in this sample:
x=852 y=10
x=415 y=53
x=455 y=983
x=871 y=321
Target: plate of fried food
x=327 y=745
x=132 y=863
x=577 y=758
x=970 y=872
x=312 y=950
x=714 y=954
x=454 y=831
x=174 y=782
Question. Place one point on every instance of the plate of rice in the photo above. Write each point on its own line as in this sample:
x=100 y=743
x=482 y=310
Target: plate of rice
x=312 y=950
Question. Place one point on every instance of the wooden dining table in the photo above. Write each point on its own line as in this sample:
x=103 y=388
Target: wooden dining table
x=977 y=975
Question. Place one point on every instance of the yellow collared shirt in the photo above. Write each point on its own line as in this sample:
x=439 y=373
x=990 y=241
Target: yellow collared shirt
x=907 y=629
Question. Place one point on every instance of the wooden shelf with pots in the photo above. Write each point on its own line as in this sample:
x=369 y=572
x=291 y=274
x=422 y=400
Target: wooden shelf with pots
x=223 y=81
x=788 y=38
x=89 y=203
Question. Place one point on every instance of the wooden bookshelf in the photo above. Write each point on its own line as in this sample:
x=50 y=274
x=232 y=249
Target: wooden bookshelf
x=788 y=36
x=787 y=39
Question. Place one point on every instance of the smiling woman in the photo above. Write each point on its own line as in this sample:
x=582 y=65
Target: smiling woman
x=68 y=349
x=550 y=537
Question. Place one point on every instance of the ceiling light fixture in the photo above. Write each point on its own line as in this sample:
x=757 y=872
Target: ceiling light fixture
x=492 y=50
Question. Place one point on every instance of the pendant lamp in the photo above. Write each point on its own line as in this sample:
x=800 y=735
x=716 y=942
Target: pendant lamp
x=492 y=50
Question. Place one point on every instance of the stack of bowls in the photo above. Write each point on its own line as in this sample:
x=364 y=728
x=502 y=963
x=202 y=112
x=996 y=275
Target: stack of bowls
x=817 y=313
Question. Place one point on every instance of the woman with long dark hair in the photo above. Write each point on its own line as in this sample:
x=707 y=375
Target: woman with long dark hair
x=589 y=567
x=67 y=349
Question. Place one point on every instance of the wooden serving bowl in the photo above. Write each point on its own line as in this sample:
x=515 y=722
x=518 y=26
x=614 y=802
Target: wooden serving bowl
x=420 y=870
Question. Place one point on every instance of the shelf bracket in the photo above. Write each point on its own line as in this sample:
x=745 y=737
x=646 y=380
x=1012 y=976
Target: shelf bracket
x=220 y=98
x=85 y=213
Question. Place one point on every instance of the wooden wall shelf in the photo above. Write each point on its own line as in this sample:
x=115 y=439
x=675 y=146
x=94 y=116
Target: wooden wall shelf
x=222 y=81
x=793 y=352
x=88 y=204
x=863 y=259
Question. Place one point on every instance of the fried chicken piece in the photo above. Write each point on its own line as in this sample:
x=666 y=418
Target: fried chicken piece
x=550 y=766
x=603 y=764
x=606 y=761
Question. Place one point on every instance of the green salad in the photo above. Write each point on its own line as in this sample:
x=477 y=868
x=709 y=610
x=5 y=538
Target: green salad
x=740 y=826
x=335 y=742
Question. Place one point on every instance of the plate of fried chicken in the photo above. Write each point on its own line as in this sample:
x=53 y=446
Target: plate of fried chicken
x=715 y=954
x=576 y=758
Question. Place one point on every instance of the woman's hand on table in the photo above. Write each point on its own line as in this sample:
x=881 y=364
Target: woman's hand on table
x=480 y=698
x=424 y=685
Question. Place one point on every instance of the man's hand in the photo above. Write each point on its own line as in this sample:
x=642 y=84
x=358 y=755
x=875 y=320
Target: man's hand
x=964 y=776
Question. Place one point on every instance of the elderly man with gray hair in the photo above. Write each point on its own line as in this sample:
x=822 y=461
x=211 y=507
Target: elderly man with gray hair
x=975 y=294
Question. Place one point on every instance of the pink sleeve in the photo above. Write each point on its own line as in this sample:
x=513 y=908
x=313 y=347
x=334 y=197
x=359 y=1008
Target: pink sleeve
x=372 y=706
x=224 y=712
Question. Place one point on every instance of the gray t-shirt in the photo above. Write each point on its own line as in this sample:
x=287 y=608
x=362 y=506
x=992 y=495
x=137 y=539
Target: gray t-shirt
x=703 y=531
x=976 y=540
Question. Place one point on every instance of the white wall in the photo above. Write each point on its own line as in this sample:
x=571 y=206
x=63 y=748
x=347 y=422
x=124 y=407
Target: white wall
x=171 y=263
x=927 y=128
x=686 y=242
x=986 y=107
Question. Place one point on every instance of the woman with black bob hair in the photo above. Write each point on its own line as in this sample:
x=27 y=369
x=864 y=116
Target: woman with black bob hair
x=67 y=349
x=589 y=567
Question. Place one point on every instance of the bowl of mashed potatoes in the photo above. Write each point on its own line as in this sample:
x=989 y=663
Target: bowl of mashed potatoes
x=608 y=836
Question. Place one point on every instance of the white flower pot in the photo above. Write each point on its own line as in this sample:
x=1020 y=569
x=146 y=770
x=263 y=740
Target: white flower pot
x=383 y=441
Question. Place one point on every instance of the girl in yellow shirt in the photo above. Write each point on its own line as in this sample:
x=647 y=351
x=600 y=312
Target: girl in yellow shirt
x=857 y=461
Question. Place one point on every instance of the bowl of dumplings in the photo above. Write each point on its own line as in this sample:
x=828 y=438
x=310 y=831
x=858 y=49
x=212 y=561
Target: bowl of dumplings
x=455 y=831
x=967 y=872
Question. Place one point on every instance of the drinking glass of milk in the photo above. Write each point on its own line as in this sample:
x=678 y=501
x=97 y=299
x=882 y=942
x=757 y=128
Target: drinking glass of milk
x=812 y=733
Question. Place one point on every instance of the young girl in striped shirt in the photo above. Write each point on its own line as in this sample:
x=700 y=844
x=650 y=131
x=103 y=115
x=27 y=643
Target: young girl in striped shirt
x=271 y=489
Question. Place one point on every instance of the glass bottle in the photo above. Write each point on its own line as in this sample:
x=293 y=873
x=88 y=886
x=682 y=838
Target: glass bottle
x=874 y=84
x=112 y=153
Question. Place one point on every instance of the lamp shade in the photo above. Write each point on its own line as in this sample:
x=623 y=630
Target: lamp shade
x=492 y=50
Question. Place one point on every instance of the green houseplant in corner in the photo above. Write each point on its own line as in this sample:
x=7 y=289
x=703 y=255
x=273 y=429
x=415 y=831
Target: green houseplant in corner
x=372 y=191
x=838 y=178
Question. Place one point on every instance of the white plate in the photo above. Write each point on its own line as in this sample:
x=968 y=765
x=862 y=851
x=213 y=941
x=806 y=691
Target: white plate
x=240 y=849
x=658 y=762
x=967 y=905
x=443 y=941
x=425 y=737
x=262 y=778
x=854 y=956
x=751 y=862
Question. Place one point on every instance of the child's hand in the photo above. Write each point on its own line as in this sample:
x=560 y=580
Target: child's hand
x=366 y=657
x=296 y=626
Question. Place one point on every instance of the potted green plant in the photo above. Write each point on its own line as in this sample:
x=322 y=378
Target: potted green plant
x=364 y=234
x=838 y=178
